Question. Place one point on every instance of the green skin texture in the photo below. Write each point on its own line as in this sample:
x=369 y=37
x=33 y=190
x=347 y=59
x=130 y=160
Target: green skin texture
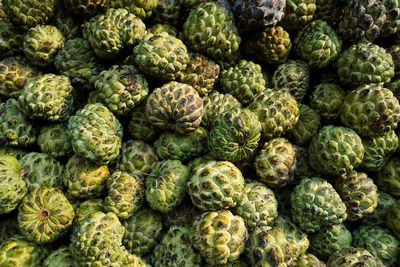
x=306 y=127
x=140 y=8
x=61 y=257
x=351 y=256
x=235 y=135
x=55 y=141
x=166 y=185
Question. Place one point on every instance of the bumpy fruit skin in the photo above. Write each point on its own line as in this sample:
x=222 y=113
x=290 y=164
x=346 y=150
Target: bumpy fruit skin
x=121 y=88
x=166 y=185
x=140 y=8
x=219 y=236
x=326 y=241
x=113 y=31
x=210 y=29
x=352 y=257
x=243 y=81
x=257 y=205
x=388 y=178
x=365 y=63
x=370 y=110
x=215 y=104
x=378 y=150
x=215 y=185
x=336 y=150
x=87 y=207
x=316 y=204
x=157 y=28
x=298 y=13
x=292 y=76
x=84 y=178
x=45 y=215
x=277 y=112
x=378 y=216
x=330 y=11
x=182 y=147
x=275 y=164
x=392 y=219
x=136 y=155
x=394 y=51
x=308 y=259
x=327 y=99
x=16 y=152
x=392 y=23
x=303 y=168
x=379 y=241
x=175 y=106
x=139 y=126
x=162 y=56
x=47 y=97
x=61 y=257
x=142 y=231
x=77 y=61
x=359 y=193
x=15 y=128
x=87 y=8
x=235 y=135
x=125 y=194
x=317 y=44
x=66 y=23
x=15 y=72
x=96 y=133
x=41 y=170
x=11 y=37
x=271 y=45
x=12 y=186
x=42 y=43
x=258 y=14
x=181 y=215
x=175 y=249
x=306 y=127
x=268 y=246
x=29 y=13
x=362 y=20
x=54 y=140
x=17 y=251
x=201 y=73
x=169 y=12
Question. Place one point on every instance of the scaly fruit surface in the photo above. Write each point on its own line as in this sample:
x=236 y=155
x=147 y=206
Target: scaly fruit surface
x=12 y=186
x=352 y=257
x=45 y=215
x=121 y=88
x=215 y=185
x=394 y=51
x=162 y=56
x=277 y=112
x=125 y=194
x=327 y=99
x=219 y=235
x=84 y=178
x=29 y=13
x=181 y=215
x=175 y=106
x=171 y=145
x=142 y=231
x=235 y=135
x=15 y=128
x=327 y=241
x=336 y=150
x=393 y=219
x=140 y=8
x=243 y=81
x=175 y=249
x=61 y=257
x=275 y=164
x=54 y=140
x=47 y=97
x=378 y=216
x=210 y=29
x=365 y=63
x=41 y=170
x=66 y=23
x=388 y=178
x=42 y=43
x=298 y=13
x=11 y=37
x=370 y=110
x=379 y=241
x=139 y=127
x=136 y=155
x=108 y=34
x=166 y=185
x=169 y=12
x=96 y=133
x=257 y=205
x=317 y=44
x=87 y=8
x=87 y=207
x=307 y=126
x=315 y=204
x=362 y=20
x=308 y=259
x=15 y=73
x=215 y=104
x=392 y=23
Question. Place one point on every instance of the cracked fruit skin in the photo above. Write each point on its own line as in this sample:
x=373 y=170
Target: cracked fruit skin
x=219 y=235
x=45 y=215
